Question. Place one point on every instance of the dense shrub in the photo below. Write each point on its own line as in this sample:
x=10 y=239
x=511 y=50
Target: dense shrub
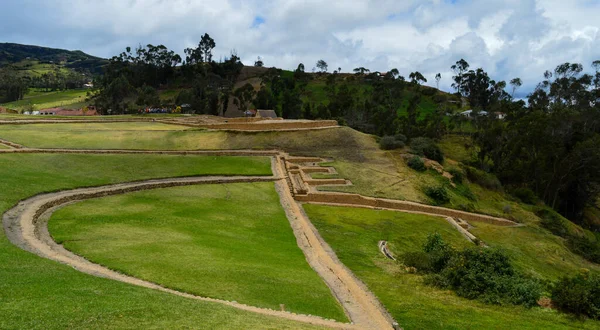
x=483 y=179
x=526 y=195
x=427 y=147
x=390 y=143
x=457 y=175
x=475 y=273
x=553 y=222
x=400 y=137
x=439 y=252
x=418 y=259
x=579 y=295
x=438 y=194
x=417 y=164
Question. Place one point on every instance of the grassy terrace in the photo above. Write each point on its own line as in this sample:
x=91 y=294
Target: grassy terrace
x=49 y=100
x=36 y=293
x=356 y=155
x=208 y=240
x=354 y=233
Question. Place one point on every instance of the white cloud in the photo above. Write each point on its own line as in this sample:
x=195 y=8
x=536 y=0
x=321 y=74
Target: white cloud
x=508 y=38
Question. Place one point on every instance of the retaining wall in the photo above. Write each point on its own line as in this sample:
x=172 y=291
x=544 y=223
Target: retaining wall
x=282 y=125
x=353 y=199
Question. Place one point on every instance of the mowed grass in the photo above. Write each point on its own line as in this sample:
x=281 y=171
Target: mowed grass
x=354 y=233
x=229 y=242
x=116 y=135
x=36 y=293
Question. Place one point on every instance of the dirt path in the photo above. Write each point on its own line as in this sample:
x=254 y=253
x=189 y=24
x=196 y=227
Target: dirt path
x=26 y=227
x=360 y=304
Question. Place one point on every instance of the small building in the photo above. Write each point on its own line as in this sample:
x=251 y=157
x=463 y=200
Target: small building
x=49 y=112
x=266 y=114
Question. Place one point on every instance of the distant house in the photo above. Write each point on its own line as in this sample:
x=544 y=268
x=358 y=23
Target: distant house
x=471 y=114
x=500 y=115
x=266 y=114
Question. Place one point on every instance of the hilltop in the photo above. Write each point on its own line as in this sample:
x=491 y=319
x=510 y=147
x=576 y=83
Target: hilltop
x=31 y=58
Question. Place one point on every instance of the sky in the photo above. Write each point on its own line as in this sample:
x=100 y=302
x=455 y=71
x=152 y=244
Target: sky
x=507 y=38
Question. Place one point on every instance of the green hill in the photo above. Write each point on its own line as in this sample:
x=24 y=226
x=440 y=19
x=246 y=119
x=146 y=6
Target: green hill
x=30 y=58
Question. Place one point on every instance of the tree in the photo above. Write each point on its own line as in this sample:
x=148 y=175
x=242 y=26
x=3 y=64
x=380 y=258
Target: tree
x=394 y=72
x=300 y=68
x=147 y=96
x=459 y=69
x=417 y=78
x=438 y=77
x=243 y=96
x=206 y=45
x=515 y=83
x=259 y=62
x=322 y=65
x=361 y=71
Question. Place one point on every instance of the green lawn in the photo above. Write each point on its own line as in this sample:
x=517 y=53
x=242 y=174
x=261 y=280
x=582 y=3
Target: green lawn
x=36 y=293
x=125 y=135
x=229 y=242
x=353 y=234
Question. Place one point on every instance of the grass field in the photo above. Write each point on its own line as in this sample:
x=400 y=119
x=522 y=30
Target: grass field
x=229 y=242
x=41 y=100
x=356 y=155
x=36 y=293
x=354 y=233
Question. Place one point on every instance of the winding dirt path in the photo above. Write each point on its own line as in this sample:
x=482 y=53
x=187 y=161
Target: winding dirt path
x=26 y=227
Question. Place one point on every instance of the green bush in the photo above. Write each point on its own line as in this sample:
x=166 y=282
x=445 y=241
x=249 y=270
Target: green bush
x=438 y=194
x=439 y=252
x=426 y=147
x=390 y=143
x=579 y=295
x=487 y=274
x=457 y=175
x=476 y=273
x=553 y=222
x=400 y=137
x=526 y=195
x=483 y=179
x=418 y=259
x=417 y=164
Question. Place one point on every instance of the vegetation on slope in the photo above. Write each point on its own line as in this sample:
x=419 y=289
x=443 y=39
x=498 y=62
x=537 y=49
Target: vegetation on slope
x=354 y=234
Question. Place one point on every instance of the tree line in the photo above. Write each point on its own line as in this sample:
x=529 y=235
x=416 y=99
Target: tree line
x=547 y=145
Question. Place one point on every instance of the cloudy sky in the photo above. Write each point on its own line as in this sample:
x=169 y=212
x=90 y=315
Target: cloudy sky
x=508 y=38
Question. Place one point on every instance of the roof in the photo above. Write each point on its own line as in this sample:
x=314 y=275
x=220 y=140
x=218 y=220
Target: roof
x=266 y=114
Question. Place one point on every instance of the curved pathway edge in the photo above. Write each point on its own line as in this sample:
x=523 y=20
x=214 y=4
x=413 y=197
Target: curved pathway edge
x=26 y=226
